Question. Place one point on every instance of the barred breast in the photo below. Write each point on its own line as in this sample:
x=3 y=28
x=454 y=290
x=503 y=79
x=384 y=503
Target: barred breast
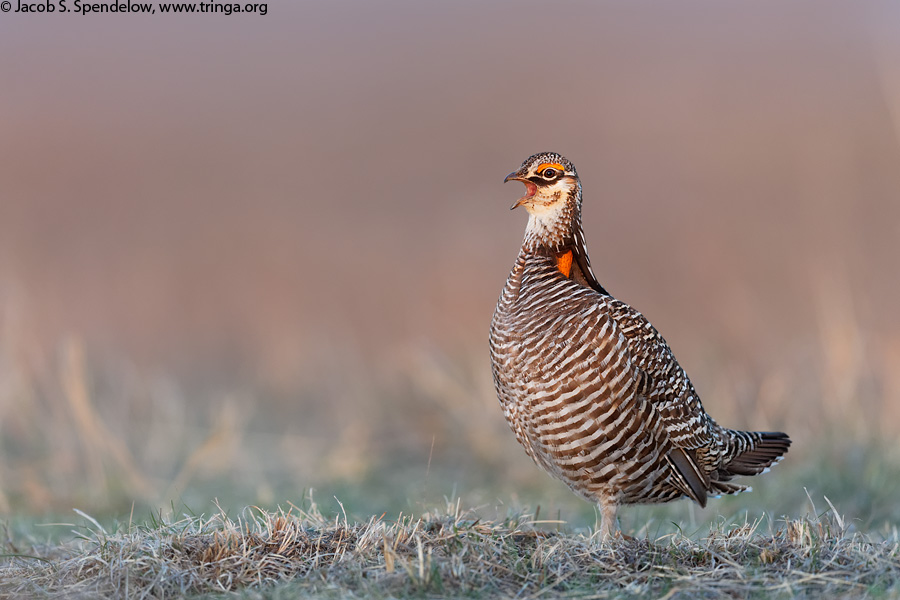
x=571 y=390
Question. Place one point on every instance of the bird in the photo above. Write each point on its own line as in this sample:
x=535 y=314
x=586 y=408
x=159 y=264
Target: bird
x=589 y=386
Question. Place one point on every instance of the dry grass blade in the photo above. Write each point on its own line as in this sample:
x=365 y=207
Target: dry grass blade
x=453 y=553
x=97 y=440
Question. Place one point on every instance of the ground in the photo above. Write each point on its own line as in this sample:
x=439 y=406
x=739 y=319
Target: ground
x=451 y=552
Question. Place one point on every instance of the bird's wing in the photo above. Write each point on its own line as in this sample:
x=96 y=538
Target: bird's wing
x=593 y=367
x=644 y=357
x=666 y=383
x=668 y=390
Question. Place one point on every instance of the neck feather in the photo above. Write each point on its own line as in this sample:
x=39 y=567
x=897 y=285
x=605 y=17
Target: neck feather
x=553 y=228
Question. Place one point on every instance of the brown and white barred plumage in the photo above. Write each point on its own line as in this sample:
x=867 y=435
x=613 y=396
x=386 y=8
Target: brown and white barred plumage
x=590 y=388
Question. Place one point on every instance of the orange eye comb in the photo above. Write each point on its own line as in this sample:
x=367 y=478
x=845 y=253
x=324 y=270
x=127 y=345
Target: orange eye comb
x=556 y=166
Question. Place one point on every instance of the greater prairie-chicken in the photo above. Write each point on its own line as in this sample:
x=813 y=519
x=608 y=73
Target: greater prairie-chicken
x=590 y=388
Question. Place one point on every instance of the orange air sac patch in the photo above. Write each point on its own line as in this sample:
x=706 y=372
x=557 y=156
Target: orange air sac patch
x=564 y=263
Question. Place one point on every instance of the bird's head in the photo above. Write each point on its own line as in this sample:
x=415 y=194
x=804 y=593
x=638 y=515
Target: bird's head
x=552 y=196
x=550 y=180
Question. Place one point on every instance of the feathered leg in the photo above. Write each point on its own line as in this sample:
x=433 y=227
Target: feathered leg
x=608 y=525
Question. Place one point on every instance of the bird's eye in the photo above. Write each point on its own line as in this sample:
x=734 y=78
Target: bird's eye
x=548 y=173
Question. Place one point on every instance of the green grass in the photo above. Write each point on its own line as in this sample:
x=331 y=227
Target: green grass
x=450 y=552
x=135 y=458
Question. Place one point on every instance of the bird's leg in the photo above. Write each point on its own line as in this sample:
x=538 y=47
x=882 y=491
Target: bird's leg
x=608 y=526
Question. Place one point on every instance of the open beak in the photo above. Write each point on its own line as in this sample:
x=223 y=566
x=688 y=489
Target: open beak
x=530 y=189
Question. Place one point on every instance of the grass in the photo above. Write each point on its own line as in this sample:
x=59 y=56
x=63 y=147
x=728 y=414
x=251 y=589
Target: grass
x=79 y=432
x=450 y=552
x=77 y=439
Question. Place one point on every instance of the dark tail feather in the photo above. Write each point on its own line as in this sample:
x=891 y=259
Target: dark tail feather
x=720 y=488
x=766 y=448
x=688 y=476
